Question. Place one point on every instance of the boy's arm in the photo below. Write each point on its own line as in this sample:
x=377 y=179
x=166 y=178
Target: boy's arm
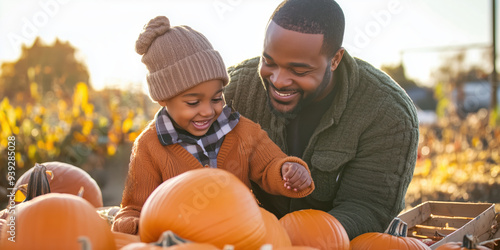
x=266 y=160
x=142 y=179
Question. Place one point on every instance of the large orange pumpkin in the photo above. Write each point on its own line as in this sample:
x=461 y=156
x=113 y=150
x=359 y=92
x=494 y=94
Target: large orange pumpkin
x=57 y=221
x=276 y=234
x=393 y=238
x=467 y=243
x=315 y=228
x=204 y=205
x=68 y=179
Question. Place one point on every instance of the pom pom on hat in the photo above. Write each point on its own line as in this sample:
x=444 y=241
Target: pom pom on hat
x=178 y=58
x=156 y=27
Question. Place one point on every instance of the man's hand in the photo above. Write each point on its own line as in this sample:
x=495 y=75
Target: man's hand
x=295 y=176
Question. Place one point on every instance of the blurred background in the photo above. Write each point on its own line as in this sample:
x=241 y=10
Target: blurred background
x=72 y=88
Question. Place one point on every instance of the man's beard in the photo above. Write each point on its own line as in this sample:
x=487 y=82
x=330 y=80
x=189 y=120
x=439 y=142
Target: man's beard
x=291 y=114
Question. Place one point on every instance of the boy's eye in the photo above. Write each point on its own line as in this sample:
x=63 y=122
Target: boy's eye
x=192 y=103
x=219 y=99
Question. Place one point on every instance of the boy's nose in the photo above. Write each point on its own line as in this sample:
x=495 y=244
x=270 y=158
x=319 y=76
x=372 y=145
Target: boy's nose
x=207 y=110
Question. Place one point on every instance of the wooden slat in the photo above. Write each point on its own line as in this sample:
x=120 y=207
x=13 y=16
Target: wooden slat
x=462 y=209
x=446 y=221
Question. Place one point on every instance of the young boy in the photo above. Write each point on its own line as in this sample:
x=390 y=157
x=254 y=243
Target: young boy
x=194 y=128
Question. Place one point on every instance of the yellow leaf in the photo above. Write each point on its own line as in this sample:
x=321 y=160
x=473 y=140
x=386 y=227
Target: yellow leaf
x=113 y=138
x=5 y=125
x=79 y=137
x=11 y=116
x=43 y=110
x=19 y=113
x=19 y=196
x=19 y=161
x=50 y=145
x=5 y=103
x=81 y=94
x=31 y=151
x=34 y=91
x=127 y=125
x=87 y=127
x=76 y=111
x=111 y=150
x=88 y=109
x=41 y=145
x=38 y=120
x=29 y=108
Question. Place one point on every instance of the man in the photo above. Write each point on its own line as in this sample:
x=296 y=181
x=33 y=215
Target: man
x=353 y=125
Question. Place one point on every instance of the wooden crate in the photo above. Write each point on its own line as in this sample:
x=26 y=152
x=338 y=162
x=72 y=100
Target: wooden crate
x=443 y=222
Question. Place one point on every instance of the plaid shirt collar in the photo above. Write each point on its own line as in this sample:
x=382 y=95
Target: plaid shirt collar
x=205 y=148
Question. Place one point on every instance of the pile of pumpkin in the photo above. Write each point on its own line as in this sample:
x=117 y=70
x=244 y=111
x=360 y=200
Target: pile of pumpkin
x=199 y=209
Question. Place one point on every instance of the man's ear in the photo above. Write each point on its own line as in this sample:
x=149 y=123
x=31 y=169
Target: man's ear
x=337 y=58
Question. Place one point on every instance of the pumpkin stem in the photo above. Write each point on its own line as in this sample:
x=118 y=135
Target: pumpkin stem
x=80 y=192
x=468 y=242
x=397 y=228
x=86 y=244
x=169 y=238
x=263 y=247
x=38 y=183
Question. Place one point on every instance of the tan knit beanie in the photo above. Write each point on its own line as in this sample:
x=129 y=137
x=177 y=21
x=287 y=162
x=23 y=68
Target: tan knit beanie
x=178 y=58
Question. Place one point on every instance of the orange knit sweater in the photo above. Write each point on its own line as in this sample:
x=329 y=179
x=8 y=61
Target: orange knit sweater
x=246 y=151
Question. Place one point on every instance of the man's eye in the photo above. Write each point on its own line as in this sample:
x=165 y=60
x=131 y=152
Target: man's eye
x=300 y=73
x=267 y=63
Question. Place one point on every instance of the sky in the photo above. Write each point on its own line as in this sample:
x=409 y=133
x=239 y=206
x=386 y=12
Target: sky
x=380 y=32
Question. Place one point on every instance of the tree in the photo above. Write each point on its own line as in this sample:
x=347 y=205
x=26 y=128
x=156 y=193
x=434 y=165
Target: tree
x=397 y=72
x=42 y=68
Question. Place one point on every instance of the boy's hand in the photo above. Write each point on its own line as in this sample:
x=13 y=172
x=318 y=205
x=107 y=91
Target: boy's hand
x=295 y=176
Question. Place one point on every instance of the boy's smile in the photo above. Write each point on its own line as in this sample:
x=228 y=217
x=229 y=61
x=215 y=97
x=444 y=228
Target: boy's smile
x=195 y=109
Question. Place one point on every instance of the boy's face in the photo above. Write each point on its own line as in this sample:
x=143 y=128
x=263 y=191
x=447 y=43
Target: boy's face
x=195 y=109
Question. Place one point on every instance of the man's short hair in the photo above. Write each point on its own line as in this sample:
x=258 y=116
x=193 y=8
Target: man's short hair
x=313 y=17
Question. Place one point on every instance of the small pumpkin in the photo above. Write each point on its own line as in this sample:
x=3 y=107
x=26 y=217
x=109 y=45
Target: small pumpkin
x=276 y=234
x=468 y=242
x=67 y=179
x=57 y=221
x=204 y=205
x=315 y=228
x=393 y=238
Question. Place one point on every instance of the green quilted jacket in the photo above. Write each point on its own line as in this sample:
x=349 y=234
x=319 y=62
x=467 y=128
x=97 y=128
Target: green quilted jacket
x=363 y=151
